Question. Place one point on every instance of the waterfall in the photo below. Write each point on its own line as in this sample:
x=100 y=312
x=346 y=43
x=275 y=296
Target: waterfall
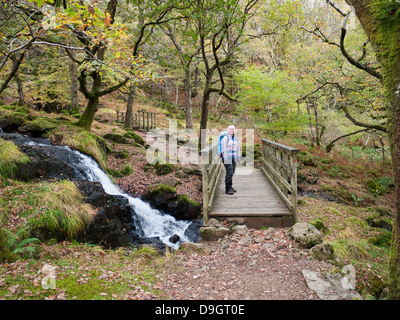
x=151 y=222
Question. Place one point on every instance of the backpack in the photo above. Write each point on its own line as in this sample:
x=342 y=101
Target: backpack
x=221 y=136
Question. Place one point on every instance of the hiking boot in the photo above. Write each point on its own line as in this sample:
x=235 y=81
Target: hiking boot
x=229 y=192
x=234 y=190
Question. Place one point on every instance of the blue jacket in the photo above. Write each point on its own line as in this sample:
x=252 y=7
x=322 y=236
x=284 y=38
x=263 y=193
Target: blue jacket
x=230 y=149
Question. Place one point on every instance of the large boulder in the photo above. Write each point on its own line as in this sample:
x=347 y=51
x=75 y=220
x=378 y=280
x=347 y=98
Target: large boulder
x=114 y=223
x=323 y=252
x=241 y=229
x=46 y=161
x=306 y=234
x=330 y=286
x=213 y=231
x=165 y=199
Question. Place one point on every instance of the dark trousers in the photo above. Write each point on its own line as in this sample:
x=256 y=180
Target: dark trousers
x=230 y=170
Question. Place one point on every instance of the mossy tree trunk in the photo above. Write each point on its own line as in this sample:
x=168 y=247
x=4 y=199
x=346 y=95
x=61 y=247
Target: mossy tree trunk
x=94 y=94
x=381 y=21
x=97 y=89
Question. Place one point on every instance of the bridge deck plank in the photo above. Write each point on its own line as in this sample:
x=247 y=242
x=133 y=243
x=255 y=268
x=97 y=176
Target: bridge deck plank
x=254 y=196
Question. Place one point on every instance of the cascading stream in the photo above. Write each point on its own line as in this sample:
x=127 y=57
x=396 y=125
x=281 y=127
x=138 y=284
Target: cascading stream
x=152 y=222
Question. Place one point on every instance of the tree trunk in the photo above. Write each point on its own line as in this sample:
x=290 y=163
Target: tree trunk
x=381 y=22
x=188 y=100
x=20 y=89
x=129 y=106
x=317 y=140
x=74 y=85
x=204 y=112
x=87 y=117
x=16 y=64
x=311 y=126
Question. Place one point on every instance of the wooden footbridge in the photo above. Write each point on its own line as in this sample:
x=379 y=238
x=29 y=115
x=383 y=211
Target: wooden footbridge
x=265 y=196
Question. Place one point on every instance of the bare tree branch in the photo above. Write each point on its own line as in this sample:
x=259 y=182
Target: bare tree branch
x=336 y=7
x=330 y=145
x=362 y=124
x=13 y=72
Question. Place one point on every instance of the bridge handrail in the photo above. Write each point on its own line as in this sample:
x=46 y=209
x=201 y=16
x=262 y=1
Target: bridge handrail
x=279 y=165
x=211 y=170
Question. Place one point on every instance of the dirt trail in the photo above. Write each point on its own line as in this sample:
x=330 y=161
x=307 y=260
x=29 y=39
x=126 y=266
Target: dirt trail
x=259 y=266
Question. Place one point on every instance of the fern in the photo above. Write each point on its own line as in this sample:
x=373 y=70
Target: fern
x=20 y=246
x=18 y=243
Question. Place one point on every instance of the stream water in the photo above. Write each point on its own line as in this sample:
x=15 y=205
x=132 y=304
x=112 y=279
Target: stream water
x=151 y=222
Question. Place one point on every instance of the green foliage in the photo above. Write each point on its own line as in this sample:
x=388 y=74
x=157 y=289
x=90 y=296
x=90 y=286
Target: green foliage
x=135 y=137
x=20 y=243
x=382 y=238
x=159 y=189
x=163 y=168
x=10 y=158
x=252 y=149
x=357 y=199
x=81 y=140
x=125 y=171
x=319 y=224
x=370 y=263
x=271 y=96
x=306 y=158
x=379 y=186
x=50 y=209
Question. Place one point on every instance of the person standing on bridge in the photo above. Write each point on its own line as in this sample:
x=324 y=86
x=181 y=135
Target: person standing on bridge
x=230 y=152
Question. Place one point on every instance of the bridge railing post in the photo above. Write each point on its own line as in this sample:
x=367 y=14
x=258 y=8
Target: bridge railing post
x=279 y=165
x=293 y=181
x=211 y=170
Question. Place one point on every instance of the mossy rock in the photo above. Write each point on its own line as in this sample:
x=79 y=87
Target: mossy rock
x=317 y=223
x=306 y=159
x=126 y=171
x=117 y=138
x=163 y=168
x=165 y=198
x=377 y=221
x=12 y=121
x=122 y=154
x=382 y=238
x=159 y=194
x=82 y=140
x=135 y=137
x=38 y=126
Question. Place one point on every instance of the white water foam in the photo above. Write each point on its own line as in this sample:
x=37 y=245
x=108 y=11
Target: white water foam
x=153 y=223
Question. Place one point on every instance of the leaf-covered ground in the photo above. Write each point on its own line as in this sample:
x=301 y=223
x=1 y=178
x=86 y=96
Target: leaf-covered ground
x=262 y=265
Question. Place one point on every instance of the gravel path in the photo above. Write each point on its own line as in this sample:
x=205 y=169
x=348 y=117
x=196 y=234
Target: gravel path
x=262 y=265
